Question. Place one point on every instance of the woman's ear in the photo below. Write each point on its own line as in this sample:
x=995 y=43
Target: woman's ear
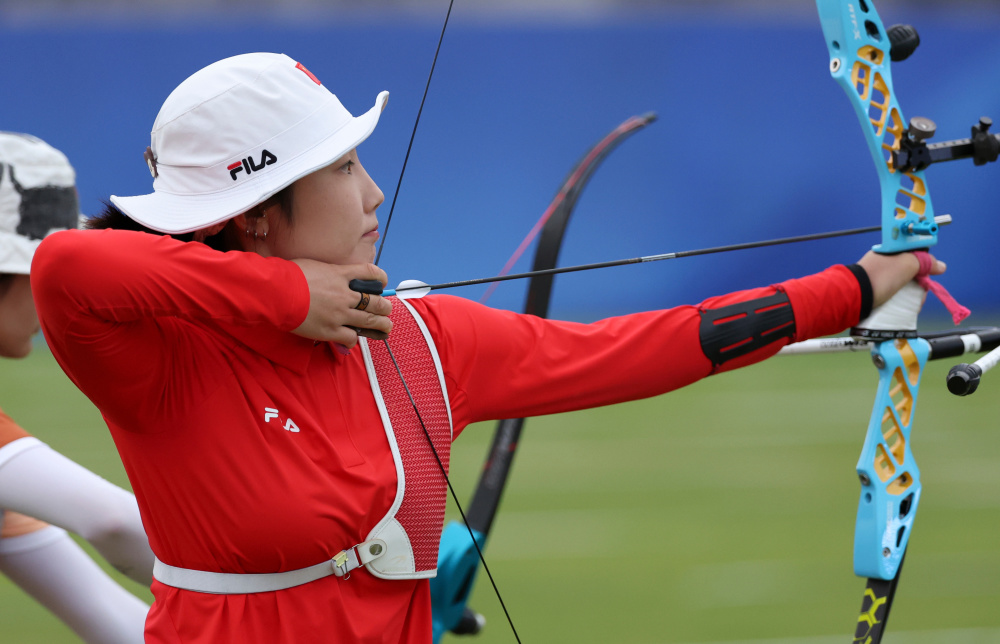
x=250 y=230
x=205 y=233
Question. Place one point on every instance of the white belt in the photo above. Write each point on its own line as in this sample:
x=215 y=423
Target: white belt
x=225 y=583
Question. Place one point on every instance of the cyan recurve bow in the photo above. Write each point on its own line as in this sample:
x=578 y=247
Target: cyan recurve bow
x=861 y=51
x=860 y=55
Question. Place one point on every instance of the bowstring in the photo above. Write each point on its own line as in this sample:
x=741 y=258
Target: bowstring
x=451 y=489
x=378 y=255
x=413 y=134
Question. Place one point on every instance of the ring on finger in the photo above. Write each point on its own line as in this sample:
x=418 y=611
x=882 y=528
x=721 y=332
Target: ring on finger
x=363 y=302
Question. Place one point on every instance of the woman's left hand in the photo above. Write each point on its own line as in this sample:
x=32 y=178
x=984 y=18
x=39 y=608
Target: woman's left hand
x=889 y=273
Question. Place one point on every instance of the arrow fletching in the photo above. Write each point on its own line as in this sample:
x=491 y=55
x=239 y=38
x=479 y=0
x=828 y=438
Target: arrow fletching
x=409 y=290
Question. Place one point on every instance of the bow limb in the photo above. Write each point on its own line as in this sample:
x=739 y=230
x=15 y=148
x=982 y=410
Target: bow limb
x=457 y=560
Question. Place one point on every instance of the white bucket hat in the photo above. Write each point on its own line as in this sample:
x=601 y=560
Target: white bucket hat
x=237 y=132
x=37 y=197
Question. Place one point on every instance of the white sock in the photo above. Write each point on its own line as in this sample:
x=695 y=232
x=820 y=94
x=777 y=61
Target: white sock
x=53 y=569
x=38 y=481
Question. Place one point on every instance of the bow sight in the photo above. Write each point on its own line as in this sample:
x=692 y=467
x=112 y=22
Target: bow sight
x=914 y=154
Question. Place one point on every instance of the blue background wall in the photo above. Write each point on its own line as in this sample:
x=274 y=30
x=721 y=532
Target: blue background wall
x=754 y=139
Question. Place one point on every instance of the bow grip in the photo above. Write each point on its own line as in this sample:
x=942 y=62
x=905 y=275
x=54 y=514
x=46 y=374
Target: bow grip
x=896 y=318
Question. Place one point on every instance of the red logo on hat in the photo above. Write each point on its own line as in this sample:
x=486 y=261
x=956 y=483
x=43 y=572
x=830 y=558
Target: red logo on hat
x=308 y=73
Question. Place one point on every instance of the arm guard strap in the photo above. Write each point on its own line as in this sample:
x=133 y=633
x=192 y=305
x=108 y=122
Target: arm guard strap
x=738 y=329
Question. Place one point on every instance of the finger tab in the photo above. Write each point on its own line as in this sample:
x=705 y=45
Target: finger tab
x=371 y=287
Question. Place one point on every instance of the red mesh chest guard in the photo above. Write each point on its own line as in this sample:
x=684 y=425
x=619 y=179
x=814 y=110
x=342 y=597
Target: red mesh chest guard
x=412 y=527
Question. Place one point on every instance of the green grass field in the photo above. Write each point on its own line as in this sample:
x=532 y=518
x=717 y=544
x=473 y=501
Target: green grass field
x=722 y=512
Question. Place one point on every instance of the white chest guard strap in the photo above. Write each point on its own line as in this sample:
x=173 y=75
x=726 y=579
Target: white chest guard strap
x=412 y=527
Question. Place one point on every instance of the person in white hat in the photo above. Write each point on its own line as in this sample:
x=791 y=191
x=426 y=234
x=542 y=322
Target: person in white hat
x=38 y=197
x=288 y=485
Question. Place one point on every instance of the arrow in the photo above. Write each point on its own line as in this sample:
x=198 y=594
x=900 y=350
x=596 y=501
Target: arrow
x=410 y=289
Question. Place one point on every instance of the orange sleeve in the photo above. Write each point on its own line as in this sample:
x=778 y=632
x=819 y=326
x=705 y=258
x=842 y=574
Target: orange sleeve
x=9 y=430
x=13 y=524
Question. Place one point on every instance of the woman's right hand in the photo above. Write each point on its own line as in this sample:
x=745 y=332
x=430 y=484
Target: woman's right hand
x=332 y=314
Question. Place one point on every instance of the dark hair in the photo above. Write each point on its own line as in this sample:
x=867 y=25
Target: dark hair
x=224 y=240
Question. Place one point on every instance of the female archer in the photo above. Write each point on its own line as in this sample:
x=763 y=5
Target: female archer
x=284 y=457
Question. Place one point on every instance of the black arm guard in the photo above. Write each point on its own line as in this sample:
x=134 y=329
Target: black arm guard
x=738 y=329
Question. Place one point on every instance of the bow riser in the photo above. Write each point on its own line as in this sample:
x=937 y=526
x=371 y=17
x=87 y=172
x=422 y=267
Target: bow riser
x=860 y=54
x=860 y=62
x=890 y=478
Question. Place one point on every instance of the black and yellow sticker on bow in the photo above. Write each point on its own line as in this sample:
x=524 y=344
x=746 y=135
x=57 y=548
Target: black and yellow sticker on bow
x=875 y=609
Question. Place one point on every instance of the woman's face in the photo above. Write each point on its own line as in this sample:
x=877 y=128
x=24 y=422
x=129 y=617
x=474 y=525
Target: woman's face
x=18 y=320
x=333 y=216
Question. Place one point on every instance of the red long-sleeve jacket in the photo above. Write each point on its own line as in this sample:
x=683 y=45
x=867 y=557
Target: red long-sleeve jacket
x=182 y=347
